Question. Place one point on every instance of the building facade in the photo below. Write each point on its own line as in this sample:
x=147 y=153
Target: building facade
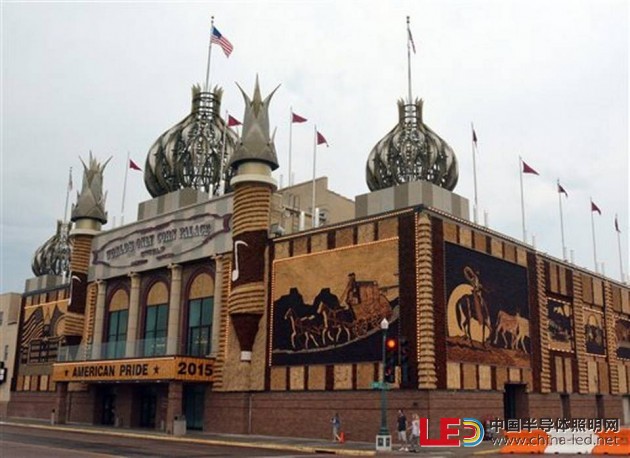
x=228 y=312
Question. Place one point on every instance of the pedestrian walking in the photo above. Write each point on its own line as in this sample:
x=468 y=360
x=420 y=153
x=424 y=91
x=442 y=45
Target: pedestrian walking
x=414 y=442
x=402 y=430
x=335 y=421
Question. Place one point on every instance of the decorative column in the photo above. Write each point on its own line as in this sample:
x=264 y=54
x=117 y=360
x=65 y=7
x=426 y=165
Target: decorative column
x=132 y=323
x=611 y=339
x=425 y=340
x=580 y=338
x=254 y=160
x=88 y=214
x=97 y=340
x=174 y=312
x=218 y=305
x=545 y=361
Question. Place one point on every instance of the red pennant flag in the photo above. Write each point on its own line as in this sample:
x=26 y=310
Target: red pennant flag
x=561 y=190
x=595 y=208
x=297 y=118
x=133 y=165
x=474 y=136
x=617 y=225
x=321 y=139
x=528 y=169
x=232 y=121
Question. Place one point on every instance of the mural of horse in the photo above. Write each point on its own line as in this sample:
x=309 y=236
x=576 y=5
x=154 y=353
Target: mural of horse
x=303 y=328
x=469 y=304
x=515 y=326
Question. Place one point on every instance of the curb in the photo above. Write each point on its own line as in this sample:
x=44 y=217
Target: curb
x=262 y=445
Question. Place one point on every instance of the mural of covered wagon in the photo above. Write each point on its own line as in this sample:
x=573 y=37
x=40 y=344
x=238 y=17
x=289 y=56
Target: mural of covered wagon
x=368 y=304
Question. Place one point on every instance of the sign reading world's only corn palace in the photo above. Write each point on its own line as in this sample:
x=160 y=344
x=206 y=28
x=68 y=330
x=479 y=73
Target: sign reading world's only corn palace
x=195 y=232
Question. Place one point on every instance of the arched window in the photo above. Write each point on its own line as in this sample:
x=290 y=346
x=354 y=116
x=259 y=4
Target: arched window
x=200 y=310
x=118 y=314
x=156 y=321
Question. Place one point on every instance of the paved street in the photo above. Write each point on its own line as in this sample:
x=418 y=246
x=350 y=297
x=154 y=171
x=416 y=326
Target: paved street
x=36 y=443
x=33 y=439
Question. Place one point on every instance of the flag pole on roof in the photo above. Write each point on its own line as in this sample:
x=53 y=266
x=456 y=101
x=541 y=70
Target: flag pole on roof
x=294 y=118
x=68 y=189
x=524 y=168
x=317 y=140
x=207 y=86
x=410 y=46
x=224 y=44
x=474 y=151
x=594 y=208
x=618 y=231
x=560 y=192
x=130 y=164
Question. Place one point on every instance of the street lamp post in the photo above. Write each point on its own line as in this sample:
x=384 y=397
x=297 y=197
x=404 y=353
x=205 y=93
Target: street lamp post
x=384 y=439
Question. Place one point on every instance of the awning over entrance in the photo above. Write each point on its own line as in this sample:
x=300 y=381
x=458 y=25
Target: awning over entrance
x=181 y=368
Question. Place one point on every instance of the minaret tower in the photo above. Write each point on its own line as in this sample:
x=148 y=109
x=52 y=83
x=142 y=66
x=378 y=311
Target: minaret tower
x=88 y=215
x=253 y=161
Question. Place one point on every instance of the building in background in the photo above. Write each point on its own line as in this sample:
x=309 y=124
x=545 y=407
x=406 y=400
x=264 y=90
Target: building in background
x=10 y=304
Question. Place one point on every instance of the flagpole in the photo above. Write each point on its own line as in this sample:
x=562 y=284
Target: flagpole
x=314 y=163
x=221 y=184
x=122 y=205
x=409 y=61
x=594 y=244
x=623 y=279
x=564 y=249
x=68 y=189
x=474 y=151
x=209 y=55
x=520 y=170
x=290 y=141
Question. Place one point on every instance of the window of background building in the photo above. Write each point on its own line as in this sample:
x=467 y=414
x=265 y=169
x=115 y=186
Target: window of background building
x=200 y=326
x=6 y=353
x=1 y=318
x=155 y=327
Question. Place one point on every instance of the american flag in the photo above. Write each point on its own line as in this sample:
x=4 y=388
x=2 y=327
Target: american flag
x=219 y=39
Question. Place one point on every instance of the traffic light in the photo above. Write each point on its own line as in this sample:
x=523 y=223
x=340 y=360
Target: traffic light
x=391 y=359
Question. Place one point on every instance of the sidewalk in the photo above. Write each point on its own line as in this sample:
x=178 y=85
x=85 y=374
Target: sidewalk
x=307 y=445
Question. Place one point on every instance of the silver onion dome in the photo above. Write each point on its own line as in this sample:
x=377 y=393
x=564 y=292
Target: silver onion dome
x=411 y=152
x=194 y=152
x=53 y=257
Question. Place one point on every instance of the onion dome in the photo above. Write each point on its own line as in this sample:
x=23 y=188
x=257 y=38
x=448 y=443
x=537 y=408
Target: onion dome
x=53 y=257
x=411 y=152
x=194 y=152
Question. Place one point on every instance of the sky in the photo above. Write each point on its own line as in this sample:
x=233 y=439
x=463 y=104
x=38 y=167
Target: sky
x=545 y=80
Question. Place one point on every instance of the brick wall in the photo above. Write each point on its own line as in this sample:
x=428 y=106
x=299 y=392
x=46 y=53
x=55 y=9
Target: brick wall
x=308 y=414
x=27 y=404
x=545 y=405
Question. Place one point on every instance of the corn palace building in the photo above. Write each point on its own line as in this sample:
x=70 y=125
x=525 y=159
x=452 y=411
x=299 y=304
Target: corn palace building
x=219 y=306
